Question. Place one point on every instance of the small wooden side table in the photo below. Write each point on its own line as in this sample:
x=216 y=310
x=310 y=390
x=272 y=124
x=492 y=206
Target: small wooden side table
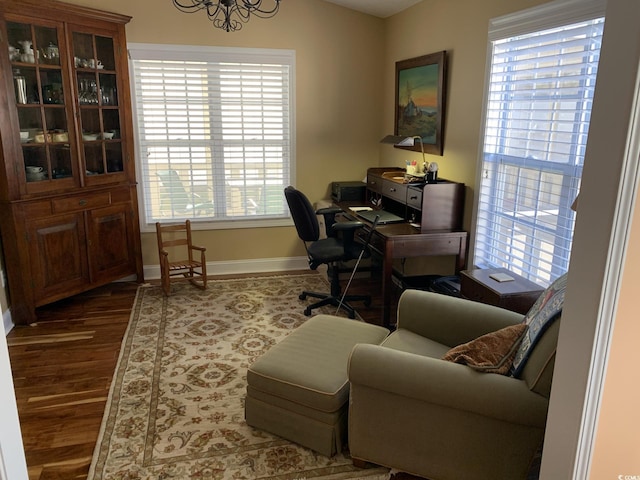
x=517 y=295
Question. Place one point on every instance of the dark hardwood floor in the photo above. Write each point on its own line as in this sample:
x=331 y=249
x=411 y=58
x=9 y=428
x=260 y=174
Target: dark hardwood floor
x=63 y=366
x=62 y=369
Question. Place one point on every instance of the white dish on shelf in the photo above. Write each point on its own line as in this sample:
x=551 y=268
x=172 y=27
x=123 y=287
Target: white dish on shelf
x=61 y=137
x=89 y=136
x=35 y=177
x=26 y=140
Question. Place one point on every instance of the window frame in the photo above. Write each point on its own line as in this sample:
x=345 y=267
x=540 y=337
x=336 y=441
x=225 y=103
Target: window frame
x=233 y=55
x=536 y=19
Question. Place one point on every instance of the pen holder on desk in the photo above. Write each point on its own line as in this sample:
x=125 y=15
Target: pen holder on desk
x=432 y=177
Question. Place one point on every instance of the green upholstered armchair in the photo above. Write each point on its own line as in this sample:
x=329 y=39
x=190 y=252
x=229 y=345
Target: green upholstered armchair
x=412 y=411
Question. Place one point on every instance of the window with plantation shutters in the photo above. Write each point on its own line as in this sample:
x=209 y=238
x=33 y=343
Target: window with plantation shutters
x=538 y=105
x=214 y=132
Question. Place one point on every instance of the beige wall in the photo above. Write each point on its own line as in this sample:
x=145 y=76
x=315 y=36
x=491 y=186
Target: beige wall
x=345 y=91
x=345 y=74
x=460 y=27
x=599 y=271
x=338 y=83
x=617 y=446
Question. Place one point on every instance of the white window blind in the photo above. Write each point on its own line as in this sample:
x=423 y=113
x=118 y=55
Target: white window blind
x=537 y=115
x=213 y=132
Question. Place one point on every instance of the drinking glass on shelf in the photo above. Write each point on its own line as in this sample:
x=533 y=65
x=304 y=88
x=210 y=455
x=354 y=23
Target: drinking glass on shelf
x=108 y=96
x=93 y=89
x=82 y=92
x=88 y=94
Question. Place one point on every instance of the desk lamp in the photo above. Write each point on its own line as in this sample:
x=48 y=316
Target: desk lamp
x=401 y=141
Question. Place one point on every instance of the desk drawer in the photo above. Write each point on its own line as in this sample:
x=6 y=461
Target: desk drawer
x=396 y=191
x=81 y=202
x=423 y=247
x=376 y=243
x=414 y=198
x=374 y=183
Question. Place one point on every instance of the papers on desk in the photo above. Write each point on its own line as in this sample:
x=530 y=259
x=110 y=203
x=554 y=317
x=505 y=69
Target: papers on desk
x=369 y=214
x=361 y=209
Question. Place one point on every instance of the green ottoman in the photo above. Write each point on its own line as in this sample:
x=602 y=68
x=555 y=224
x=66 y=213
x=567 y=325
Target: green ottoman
x=299 y=389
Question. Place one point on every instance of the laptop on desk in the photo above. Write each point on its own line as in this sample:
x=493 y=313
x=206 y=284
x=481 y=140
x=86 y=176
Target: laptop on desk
x=385 y=217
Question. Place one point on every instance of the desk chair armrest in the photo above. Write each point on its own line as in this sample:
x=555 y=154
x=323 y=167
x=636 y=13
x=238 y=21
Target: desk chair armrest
x=201 y=249
x=329 y=214
x=350 y=225
x=328 y=210
x=348 y=232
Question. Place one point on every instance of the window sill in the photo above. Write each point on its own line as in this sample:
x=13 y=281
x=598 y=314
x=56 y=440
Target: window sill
x=225 y=224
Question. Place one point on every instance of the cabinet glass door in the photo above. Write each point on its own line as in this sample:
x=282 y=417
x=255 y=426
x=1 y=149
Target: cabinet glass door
x=41 y=100
x=96 y=83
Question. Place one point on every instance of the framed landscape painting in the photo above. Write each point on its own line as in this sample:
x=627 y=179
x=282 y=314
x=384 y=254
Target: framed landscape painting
x=420 y=100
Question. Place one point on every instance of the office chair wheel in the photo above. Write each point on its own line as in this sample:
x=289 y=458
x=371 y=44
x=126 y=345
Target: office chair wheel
x=303 y=296
x=307 y=311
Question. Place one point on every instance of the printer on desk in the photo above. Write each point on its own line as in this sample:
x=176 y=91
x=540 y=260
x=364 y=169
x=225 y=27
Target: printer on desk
x=348 y=191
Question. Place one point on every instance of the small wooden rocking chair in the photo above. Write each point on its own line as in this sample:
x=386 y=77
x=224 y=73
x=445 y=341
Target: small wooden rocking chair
x=175 y=237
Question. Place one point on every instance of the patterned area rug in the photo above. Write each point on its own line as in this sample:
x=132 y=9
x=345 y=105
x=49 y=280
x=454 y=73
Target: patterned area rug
x=176 y=407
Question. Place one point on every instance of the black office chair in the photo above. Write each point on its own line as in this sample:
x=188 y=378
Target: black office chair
x=330 y=251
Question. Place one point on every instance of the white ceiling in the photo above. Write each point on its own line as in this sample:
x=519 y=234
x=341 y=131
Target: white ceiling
x=379 y=8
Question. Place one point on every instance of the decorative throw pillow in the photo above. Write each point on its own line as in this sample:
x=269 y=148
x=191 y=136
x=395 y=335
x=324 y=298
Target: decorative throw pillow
x=491 y=353
x=542 y=314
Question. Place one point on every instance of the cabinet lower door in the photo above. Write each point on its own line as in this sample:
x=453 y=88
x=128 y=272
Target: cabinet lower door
x=109 y=240
x=58 y=256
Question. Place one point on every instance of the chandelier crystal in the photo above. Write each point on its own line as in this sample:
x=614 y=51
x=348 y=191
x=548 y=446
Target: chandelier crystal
x=229 y=15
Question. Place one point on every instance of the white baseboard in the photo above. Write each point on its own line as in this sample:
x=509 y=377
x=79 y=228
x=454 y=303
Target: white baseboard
x=7 y=323
x=234 y=267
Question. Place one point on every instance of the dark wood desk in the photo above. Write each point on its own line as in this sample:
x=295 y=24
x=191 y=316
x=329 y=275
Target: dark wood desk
x=402 y=240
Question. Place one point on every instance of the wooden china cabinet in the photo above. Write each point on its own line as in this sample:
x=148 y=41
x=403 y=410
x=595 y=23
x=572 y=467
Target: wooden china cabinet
x=68 y=201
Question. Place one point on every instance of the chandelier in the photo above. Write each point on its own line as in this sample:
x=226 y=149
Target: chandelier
x=228 y=15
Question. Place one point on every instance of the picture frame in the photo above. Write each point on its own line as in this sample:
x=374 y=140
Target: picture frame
x=420 y=101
